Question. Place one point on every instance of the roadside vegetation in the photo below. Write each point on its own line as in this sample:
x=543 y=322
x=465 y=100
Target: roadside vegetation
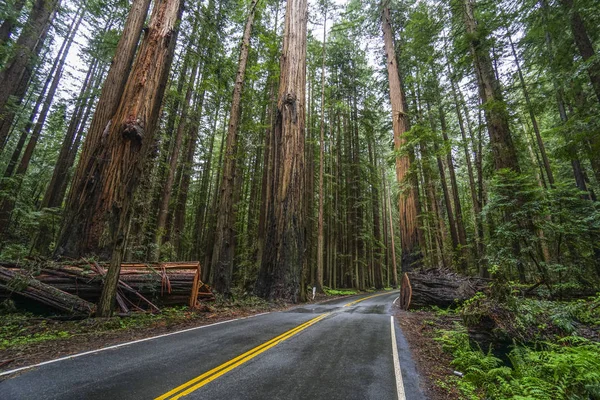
x=522 y=348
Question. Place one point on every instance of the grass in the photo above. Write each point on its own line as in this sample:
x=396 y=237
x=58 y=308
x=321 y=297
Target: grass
x=339 y=292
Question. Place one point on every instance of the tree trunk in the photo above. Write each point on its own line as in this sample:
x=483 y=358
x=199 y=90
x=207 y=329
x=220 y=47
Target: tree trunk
x=54 y=195
x=9 y=23
x=536 y=129
x=503 y=149
x=320 y=233
x=392 y=239
x=27 y=49
x=224 y=246
x=377 y=269
x=19 y=88
x=80 y=233
x=51 y=198
x=114 y=175
x=283 y=253
x=187 y=169
x=167 y=187
x=41 y=120
x=409 y=225
x=584 y=45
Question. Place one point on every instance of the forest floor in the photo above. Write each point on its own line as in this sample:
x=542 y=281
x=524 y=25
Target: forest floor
x=27 y=338
x=436 y=374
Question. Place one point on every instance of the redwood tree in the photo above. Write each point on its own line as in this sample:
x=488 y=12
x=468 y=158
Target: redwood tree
x=113 y=177
x=283 y=252
x=81 y=230
x=408 y=203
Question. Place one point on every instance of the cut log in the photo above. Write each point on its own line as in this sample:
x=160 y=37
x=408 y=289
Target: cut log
x=438 y=288
x=23 y=285
x=141 y=285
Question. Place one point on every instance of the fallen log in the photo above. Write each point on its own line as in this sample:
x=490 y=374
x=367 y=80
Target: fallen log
x=140 y=285
x=438 y=288
x=26 y=286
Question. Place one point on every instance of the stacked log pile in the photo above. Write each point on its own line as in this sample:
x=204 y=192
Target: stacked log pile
x=439 y=288
x=141 y=286
x=15 y=281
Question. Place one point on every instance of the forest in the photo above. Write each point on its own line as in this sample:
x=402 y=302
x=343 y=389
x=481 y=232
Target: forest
x=326 y=144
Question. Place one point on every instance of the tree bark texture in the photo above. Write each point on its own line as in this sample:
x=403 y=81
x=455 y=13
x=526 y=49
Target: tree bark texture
x=283 y=253
x=79 y=235
x=106 y=198
x=409 y=225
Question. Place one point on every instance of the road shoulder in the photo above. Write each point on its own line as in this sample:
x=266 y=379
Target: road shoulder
x=433 y=365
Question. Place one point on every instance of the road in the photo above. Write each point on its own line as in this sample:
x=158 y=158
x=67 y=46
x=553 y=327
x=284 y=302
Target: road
x=340 y=349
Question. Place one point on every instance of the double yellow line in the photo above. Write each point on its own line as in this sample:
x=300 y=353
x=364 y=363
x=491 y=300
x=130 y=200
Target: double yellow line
x=201 y=380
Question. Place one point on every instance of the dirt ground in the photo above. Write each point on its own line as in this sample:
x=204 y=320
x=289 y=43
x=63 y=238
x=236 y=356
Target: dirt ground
x=436 y=373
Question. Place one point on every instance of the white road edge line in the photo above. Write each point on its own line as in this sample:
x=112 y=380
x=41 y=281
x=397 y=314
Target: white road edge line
x=397 y=371
x=396 y=300
x=116 y=346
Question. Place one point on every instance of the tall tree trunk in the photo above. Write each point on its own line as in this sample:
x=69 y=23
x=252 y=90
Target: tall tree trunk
x=41 y=120
x=320 y=233
x=503 y=149
x=81 y=230
x=22 y=75
x=54 y=195
x=534 y=123
x=267 y=168
x=51 y=198
x=479 y=247
x=27 y=49
x=392 y=236
x=187 y=170
x=283 y=253
x=167 y=186
x=584 y=45
x=377 y=268
x=124 y=150
x=409 y=225
x=7 y=205
x=224 y=246
x=8 y=25
x=204 y=194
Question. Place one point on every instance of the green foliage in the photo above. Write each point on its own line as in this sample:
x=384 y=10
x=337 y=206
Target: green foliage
x=529 y=320
x=569 y=369
x=339 y=292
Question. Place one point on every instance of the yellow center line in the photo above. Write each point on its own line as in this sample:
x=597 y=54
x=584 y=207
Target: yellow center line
x=364 y=298
x=209 y=376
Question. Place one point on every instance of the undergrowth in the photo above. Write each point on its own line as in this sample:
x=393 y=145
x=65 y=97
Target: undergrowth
x=568 y=369
x=550 y=357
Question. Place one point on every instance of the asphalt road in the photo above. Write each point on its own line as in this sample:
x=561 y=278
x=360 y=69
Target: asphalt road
x=341 y=349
